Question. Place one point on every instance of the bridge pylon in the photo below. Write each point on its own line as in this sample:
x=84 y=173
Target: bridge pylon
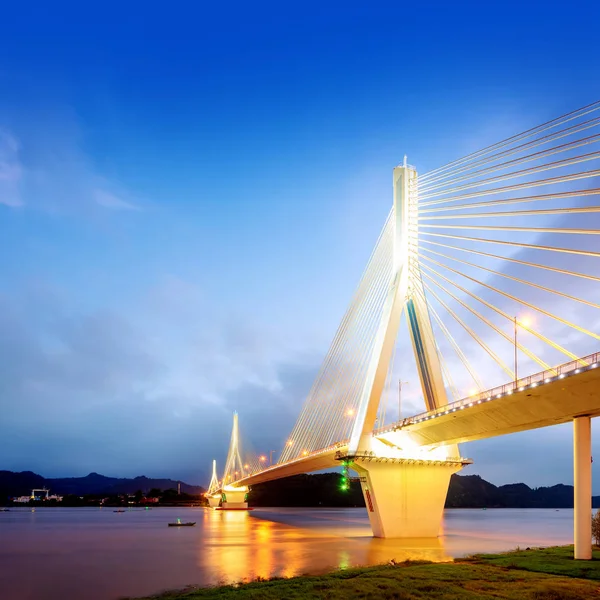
x=234 y=497
x=405 y=489
x=212 y=494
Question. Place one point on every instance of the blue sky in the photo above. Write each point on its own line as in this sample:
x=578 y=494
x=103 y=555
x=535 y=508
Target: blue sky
x=189 y=193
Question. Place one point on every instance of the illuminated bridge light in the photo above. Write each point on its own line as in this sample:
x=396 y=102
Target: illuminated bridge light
x=509 y=393
x=577 y=370
x=521 y=389
x=499 y=396
x=547 y=380
x=561 y=376
x=471 y=404
x=533 y=385
x=594 y=366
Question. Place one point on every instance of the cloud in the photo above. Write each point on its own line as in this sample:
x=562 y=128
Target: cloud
x=108 y=200
x=147 y=391
x=11 y=170
x=51 y=172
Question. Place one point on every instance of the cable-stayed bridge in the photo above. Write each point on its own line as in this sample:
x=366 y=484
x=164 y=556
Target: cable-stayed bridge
x=492 y=263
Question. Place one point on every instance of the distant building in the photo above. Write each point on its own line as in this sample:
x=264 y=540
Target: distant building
x=149 y=500
x=26 y=499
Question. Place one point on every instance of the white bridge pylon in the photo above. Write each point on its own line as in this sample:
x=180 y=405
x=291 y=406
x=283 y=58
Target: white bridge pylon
x=404 y=489
x=405 y=293
x=234 y=497
x=213 y=494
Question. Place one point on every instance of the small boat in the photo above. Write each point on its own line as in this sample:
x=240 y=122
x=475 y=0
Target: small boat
x=118 y=511
x=4 y=509
x=180 y=524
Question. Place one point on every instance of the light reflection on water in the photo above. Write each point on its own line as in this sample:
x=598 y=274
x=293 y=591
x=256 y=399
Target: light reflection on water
x=99 y=555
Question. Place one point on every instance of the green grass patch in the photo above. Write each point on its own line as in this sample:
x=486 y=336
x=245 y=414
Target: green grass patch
x=554 y=561
x=543 y=574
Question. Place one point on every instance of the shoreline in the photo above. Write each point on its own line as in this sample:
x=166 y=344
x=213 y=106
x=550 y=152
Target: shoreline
x=548 y=573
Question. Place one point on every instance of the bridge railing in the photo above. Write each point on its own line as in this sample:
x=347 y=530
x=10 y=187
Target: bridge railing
x=575 y=366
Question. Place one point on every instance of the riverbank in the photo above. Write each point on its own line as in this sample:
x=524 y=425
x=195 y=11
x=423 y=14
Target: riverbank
x=538 y=574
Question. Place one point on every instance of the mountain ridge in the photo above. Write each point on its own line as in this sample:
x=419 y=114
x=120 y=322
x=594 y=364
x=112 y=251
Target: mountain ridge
x=21 y=484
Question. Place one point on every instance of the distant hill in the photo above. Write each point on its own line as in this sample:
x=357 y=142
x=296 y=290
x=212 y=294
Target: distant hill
x=20 y=484
x=471 y=491
x=466 y=491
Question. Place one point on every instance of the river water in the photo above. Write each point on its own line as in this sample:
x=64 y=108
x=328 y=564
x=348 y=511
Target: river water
x=97 y=554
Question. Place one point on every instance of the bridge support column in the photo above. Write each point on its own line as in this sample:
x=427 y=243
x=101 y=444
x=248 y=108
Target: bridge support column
x=214 y=501
x=235 y=499
x=405 y=500
x=582 y=465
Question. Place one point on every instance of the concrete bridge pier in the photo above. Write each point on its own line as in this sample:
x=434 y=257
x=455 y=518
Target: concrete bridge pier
x=234 y=498
x=582 y=467
x=214 y=501
x=405 y=499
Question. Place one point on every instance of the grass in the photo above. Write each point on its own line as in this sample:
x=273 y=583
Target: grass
x=539 y=574
x=554 y=561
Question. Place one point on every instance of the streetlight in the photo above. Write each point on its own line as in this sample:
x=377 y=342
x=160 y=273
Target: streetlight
x=525 y=322
x=400 y=382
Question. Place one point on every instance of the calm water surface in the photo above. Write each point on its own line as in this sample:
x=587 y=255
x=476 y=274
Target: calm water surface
x=97 y=554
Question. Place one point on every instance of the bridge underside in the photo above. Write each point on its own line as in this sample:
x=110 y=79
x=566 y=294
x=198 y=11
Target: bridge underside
x=308 y=464
x=559 y=401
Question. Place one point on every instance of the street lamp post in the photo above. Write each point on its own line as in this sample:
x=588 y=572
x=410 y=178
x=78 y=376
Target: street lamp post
x=516 y=372
x=271 y=457
x=525 y=322
x=400 y=382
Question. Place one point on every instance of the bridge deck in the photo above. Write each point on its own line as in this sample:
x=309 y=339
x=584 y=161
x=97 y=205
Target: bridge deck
x=546 y=398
